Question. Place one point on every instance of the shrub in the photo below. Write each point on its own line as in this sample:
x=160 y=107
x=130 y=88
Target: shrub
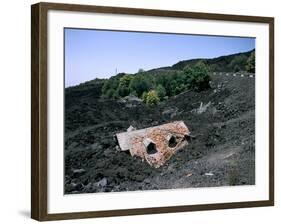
x=165 y=79
x=109 y=87
x=197 y=77
x=161 y=91
x=238 y=63
x=251 y=63
x=125 y=81
x=123 y=86
x=140 y=84
x=115 y=95
x=144 y=96
x=110 y=93
x=237 y=68
x=105 y=87
x=214 y=68
x=133 y=93
x=123 y=91
x=164 y=83
x=152 y=98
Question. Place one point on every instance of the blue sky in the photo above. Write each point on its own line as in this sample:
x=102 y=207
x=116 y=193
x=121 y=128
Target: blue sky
x=91 y=54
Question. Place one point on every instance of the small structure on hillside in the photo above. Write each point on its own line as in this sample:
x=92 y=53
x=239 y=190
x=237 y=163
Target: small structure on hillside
x=155 y=144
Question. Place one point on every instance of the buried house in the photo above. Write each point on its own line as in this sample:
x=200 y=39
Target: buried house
x=156 y=144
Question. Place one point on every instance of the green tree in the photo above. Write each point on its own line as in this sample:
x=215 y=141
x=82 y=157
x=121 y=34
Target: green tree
x=251 y=63
x=237 y=68
x=214 y=68
x=115 y=95
x=123 y=91
x=140 y=84
x=197 y=77
x=152 y=98
x=238 y=63
x=110 y=84
x=110 y=93
x=165 y=80
x=133 y=93
x=144 y=96
x=105 y=87
x=125 y=81
x=161 y=91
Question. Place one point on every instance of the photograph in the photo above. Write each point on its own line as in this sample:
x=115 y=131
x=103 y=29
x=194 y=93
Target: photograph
x=154 y=111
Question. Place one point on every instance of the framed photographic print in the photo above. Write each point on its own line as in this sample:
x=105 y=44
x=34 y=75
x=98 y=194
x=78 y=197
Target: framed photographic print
x=141 y=111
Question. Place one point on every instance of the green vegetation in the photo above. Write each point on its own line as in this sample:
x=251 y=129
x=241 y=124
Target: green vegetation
x=166 y=75
x=251 y=63
x=141 y=83
x=124 y=85
x=161 y=92
x=238 y=63
x=153 y=88
x=197 y=77
x=230 y=63
x=109 y=88
x=144 y=96
x=152 y=98
x=157 y=85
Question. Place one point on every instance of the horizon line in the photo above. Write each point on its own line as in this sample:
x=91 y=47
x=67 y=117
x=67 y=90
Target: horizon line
x=169 y=66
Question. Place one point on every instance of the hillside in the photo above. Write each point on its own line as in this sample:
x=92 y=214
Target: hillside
x=220 y=64
x=221 y=153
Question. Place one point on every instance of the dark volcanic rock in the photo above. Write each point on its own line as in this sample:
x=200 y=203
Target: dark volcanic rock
x=223 y=143
x=78 y=172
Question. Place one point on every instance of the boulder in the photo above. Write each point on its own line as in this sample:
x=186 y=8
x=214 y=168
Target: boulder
x=78 y=172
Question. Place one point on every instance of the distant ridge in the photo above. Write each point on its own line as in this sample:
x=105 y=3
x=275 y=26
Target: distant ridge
x=221 y=61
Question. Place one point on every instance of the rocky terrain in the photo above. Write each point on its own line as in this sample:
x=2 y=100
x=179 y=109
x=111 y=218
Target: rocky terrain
x=222 y=152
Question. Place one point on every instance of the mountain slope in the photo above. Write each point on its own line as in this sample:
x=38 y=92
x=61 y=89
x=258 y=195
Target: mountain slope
x=221 y=154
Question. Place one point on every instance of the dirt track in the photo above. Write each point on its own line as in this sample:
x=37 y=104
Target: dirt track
x=223 y=152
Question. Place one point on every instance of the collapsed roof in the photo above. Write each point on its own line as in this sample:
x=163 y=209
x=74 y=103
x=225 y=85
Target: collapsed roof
x=155 y=144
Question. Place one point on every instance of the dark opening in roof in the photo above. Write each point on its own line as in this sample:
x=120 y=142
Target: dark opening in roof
x=187 y=138
x=151 y=148
x=173 y=142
